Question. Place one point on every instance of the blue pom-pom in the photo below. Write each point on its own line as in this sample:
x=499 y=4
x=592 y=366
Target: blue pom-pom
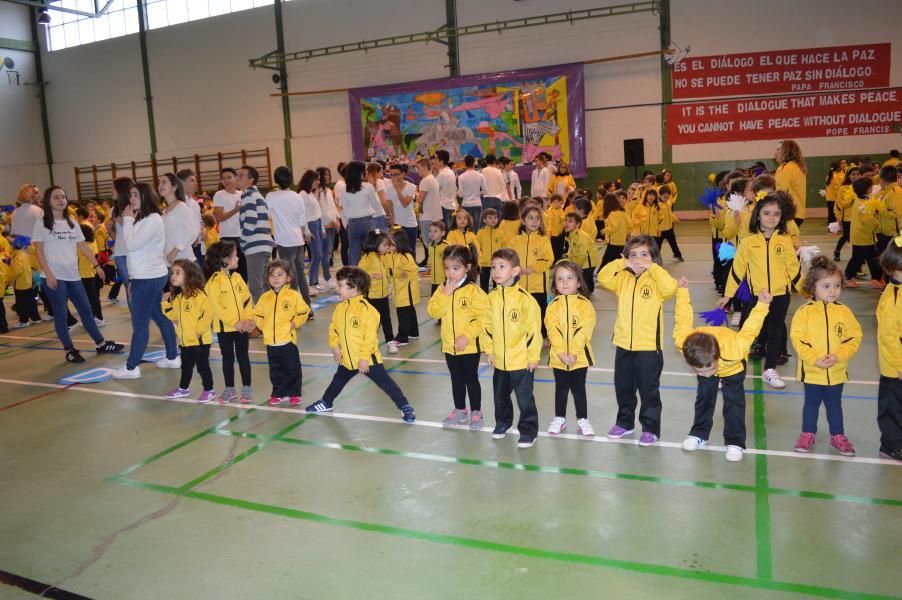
x=8 y=208
x=709 y=198
x=743 y=293
x=726 y=252
x=715 y=317
x=21 y=241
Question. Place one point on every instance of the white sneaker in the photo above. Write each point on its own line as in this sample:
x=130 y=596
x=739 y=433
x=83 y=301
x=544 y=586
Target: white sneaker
x=583 y=427
x=170 y=363
x=557 y=425
x=46 y=318
x=22 y=325
x=319 y=288
x=772 y=378
x=392 y=347
x=737 y=317
x=99 y=322
x=692 y=443
x=126 y=373
x=313 y=290
x=734 y=454
x=330 y=284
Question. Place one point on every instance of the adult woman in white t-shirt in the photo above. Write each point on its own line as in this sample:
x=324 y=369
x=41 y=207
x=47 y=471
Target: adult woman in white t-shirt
x=307 y=189
x=337 y=190
x=145 y=239
x=121 y=186
x=58 y=239
x=330 y=220
x=359 y=203
x=382 y=218
x=178 y=220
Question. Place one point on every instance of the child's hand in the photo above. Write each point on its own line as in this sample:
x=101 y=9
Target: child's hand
x=528 y=271
x=448 y=288
x=460 y=342
x=764 y=297
x=683 y=282
x=167 y=296
x=336 y=354
x=363 y=365
x=531 y=366
x=722 y=303
x=490 y=358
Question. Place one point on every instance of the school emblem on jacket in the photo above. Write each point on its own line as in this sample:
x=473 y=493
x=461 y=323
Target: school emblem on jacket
x=514 y=315
x=778 y=250
x=186 y=306
x=574 y=322
x=464 y=303
x=645 y=292
x=355 y=322
x=839 y=329
x=286 y=306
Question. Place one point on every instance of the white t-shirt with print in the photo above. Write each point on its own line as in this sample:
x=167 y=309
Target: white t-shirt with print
x=60 y=248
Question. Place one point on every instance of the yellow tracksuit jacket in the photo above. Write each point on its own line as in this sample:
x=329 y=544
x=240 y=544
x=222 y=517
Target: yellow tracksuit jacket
x=279 y=314
x=374 y=264
x=509 y=229
x=821 y=328
x=793 y=181
x=734 y=345
x=354 y=328
x=890 y=209
x=647 y=219
x=768 y=264
x=193 y=318
x=832 y=188
x=570 y=322
x=590 y=228
x=512 y=328
x=865 y=223
x=845 y=198
x=461 y=313
x=20 y=270
x=405 y=281
x=889 y=330
x=554 y=221
x=616 y=228
x=464 y=238
x=640 y=304
x=534 y=250
x=582 y=250
x=490 y=239
x=85 y=268
x=436 y=264
x=230 y=300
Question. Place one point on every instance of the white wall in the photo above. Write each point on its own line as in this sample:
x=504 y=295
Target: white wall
x=21 y=138
x=206 y=98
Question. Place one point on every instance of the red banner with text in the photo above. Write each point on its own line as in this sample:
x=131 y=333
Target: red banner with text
x=774 y=118
x=783 y=71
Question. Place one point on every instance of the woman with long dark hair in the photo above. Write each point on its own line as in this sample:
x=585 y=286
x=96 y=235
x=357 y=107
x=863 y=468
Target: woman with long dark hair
x=145 y=239
x=121 y=186
x=178 y=220
x=792 y=175
x=359 y=203
x=58 y=239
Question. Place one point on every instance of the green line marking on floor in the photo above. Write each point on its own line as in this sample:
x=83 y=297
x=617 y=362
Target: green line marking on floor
x=464 y=542
x=763 y=555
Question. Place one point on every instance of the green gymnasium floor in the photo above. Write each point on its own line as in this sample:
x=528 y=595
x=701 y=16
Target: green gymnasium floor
x=111 y=491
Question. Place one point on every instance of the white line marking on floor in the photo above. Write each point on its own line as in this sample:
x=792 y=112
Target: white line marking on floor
x=426 y=360
x=435 y=424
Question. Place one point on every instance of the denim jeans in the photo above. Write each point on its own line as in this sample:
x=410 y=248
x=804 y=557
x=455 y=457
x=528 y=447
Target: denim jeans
x=476 y=214
x=147 y=296
x=294 y=256
x=490 y=202
x=328 y=248
x=316 y=249
x=59 y=298
x=357 y=230
x=380 y=222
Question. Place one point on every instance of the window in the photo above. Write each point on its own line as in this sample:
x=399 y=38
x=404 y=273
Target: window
x=67 y=29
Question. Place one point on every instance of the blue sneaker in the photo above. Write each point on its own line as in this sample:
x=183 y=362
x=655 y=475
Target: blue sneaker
x=407 y=411
x=319 y=406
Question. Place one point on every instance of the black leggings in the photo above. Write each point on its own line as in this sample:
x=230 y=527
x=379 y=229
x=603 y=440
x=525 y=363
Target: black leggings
x=670 y=236
x=381 y=305
x=92 y=289
x=611 y=253
x=234 y=344
x=485 y=278
x=196 y=356
x=773 y=332
x=860 y=255
x=565 y=383
x=464 y=370
x=26 y=306
x=542 y=299
x=843 y=239
x=407 y=323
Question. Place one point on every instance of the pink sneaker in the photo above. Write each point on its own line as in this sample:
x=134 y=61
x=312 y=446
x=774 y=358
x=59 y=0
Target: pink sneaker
x=842 y=445
x=294 y=400
x=275 y=401
x=177 y=393
x=206 y=396
x=805 y=442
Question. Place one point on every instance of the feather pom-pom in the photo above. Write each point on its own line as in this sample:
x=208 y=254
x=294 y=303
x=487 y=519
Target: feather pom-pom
x=715 y=317
x=8 y=208
x=726 y=252
x=21 y=242
x=709 y=198
x=835 y=227
x=743 y=293
x=736 y=202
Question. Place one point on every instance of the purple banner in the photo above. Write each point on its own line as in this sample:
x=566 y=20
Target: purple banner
x=512 y=113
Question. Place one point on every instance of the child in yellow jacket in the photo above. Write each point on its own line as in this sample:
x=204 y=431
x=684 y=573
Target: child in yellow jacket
x=5 y=261
x=354 y=341
x=490 y=239
x=462 y=234
x=278 y=313
x=668 y=221
x=826 y=336
x=889 y=351
x=375 y=260
x=406 y=290
x=460 y=306
x=570 y=321
x=842 y=208
x=188 y=307
x=616 y=226
x=554 y=224
x=641 y=287
x=865 y=225
x=20 y=274
x=581 y=250
x=512 y=342
x=718 y=357
x=233 y=317
x=536 y=257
